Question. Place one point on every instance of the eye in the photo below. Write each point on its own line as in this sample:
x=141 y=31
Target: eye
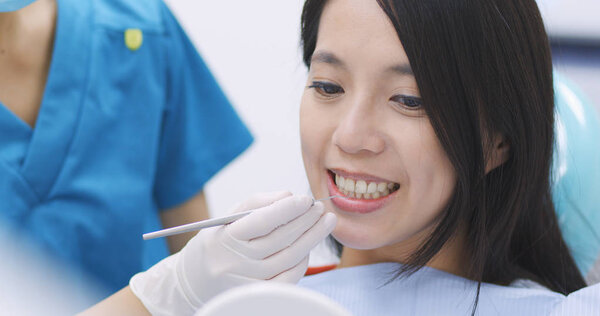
x=326 y=89
x=407 y=102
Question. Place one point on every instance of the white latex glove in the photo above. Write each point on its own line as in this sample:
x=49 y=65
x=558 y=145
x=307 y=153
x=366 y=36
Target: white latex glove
x=272 y=243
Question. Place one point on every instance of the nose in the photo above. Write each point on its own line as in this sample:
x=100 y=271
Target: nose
x=357 y=132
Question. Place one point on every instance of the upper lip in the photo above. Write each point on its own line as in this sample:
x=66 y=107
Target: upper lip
x=359 y=176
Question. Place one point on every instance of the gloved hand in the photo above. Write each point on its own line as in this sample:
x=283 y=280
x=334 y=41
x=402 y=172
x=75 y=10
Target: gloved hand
x=272 y=243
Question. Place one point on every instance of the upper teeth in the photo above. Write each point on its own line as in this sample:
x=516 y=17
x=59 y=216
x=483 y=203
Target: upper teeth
x=362 y=189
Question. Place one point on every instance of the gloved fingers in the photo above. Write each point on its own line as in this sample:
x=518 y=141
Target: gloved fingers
x=260 y=200
x=264 y=220
x=294 y=274
x=292 y=255
x=280 y=238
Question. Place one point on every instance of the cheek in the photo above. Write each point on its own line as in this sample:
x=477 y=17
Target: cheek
x=431 y=175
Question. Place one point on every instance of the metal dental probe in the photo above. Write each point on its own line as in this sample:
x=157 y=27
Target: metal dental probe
x=211 y=222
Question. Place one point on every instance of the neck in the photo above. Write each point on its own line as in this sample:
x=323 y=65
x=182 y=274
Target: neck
x=23 y=30
x=451 y=258
x=15 y=22
x=10 y=22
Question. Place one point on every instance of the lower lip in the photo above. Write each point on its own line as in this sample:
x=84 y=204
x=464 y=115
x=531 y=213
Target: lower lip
x=355 y=205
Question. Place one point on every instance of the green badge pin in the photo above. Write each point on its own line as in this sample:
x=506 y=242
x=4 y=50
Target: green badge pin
x=133 y=39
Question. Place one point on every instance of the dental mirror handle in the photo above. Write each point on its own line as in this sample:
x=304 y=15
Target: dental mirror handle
x=210 y=223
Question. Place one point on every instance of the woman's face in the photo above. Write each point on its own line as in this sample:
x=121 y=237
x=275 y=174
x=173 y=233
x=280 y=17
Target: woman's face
x=365 y=135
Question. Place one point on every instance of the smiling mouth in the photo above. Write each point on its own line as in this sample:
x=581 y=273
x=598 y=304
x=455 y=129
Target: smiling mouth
x=362 y=189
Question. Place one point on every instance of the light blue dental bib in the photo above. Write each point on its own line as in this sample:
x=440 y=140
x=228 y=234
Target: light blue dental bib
x=363 y=291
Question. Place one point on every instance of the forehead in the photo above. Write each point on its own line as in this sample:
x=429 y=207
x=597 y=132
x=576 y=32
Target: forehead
x=359 y=33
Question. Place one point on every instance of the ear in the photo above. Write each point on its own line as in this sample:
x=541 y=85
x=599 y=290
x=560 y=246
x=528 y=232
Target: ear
x=499 y=154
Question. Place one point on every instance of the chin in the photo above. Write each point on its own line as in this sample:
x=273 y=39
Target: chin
x=356 y=238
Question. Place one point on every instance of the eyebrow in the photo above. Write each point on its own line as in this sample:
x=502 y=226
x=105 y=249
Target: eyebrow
x=402 y=69
x=330 y=58
x=327 y=58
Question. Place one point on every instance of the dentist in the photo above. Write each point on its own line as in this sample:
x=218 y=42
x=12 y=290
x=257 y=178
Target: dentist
x=110 y=125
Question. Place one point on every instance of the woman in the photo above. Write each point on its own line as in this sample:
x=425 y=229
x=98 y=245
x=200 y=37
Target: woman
x=435 y=120
x=110 y=124
x=469 y=150
x=450 y=106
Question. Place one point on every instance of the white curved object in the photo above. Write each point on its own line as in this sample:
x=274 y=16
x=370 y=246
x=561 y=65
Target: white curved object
x=272 y=299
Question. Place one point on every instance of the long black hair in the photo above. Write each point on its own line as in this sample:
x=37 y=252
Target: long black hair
x=483 y=67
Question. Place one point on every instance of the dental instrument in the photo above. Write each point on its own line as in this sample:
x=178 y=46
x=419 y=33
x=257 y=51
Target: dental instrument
x=211 y=222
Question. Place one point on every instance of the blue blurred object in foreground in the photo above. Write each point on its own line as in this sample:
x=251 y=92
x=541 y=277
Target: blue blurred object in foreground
x=576 y=189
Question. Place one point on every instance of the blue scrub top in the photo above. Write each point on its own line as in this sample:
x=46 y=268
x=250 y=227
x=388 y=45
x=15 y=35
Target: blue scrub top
x=121 y=134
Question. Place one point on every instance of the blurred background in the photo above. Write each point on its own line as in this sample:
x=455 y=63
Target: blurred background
x=252 y=47
x=574 y=30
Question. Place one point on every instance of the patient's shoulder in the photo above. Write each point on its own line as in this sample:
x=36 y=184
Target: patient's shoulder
x=527 y=284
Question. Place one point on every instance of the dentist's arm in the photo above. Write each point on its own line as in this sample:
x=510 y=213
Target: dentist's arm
x=123 y=302
x=193 y=210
